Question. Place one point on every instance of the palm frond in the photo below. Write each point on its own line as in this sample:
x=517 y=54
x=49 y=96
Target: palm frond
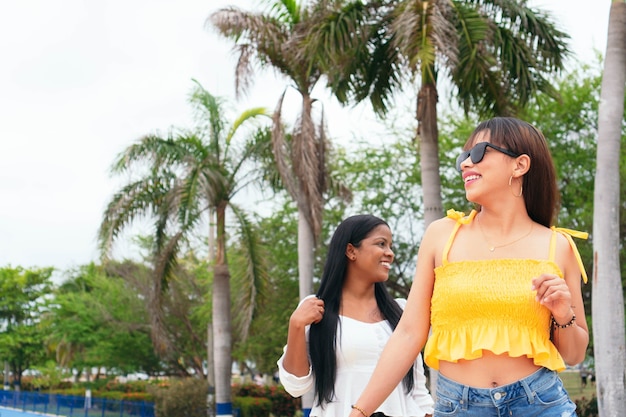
x=208 y=107
x=166 y=259
x=151 y=151
x=476 y=64
x=285 y=10
x=507 y=50
x=282 y=152
x=333 y=32
x=534 y=28
x=257 y=37
x=131 y=202
x=259 y=150
x=246 y=115
x=255 y=279
x=306 y=163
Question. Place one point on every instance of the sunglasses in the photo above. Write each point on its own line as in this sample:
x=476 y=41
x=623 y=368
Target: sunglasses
x=477 y=153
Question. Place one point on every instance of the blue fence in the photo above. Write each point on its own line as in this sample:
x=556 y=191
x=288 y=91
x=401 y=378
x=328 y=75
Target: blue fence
x=71 y=405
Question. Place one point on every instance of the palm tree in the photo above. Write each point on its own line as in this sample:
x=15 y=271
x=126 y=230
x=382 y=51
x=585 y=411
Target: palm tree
x=495 y=54
x=607 y=295
x=273 y=40
x=185 y=177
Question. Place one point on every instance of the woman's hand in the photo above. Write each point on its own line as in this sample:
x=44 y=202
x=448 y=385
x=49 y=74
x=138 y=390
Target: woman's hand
x=553 y=293
x=310 y=311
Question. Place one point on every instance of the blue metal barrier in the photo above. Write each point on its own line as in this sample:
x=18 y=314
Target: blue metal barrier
x=71 y=405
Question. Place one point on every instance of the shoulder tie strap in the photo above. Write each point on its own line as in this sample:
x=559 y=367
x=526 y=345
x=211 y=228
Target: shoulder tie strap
x=460 y=218
x=568 y=233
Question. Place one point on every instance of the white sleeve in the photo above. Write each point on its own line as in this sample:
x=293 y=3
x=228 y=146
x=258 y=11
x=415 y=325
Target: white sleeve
x=296 y=386
x=420 y=393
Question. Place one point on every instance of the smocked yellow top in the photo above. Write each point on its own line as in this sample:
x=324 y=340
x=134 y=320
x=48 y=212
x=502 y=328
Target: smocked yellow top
x=489 y=304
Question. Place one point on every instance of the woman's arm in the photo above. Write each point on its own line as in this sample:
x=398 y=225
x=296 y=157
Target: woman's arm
x=296 y=356
x=294 y=369
x=296 y=386
x=563 y=297
x=408 y=338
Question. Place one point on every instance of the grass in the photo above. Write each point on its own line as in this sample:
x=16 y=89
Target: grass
x=574 y=386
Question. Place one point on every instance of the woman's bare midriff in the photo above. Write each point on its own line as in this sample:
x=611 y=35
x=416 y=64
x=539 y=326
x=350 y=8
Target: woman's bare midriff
x=489 y=371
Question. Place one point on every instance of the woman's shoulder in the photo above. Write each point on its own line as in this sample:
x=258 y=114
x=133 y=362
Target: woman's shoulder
x=441 y=224
x=444 y=225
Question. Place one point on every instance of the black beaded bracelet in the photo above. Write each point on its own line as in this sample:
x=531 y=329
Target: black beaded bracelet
x=566 y=325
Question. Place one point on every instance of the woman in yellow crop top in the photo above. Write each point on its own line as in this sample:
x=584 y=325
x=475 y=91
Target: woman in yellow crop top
x=501 y=287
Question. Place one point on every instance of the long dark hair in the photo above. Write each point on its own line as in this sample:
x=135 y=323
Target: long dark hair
x=323 y=335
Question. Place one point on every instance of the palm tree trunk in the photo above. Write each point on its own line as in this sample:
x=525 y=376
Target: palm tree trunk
x=6 y=376
x=222 y=344
x=210 y=361
x=306 y=256
x=211 y=240
x=607 y=295
x=308 y=165
x=210 y=357
x=428 y=135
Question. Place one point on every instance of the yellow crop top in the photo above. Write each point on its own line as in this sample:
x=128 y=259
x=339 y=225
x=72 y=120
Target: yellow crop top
x=488 y=304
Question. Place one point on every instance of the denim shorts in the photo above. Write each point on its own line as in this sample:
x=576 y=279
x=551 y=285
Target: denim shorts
x=540 y=394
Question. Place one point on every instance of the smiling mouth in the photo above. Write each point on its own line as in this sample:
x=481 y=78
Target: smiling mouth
x=471 y=178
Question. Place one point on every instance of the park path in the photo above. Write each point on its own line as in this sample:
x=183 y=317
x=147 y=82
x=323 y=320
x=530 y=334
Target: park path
x=11 y=412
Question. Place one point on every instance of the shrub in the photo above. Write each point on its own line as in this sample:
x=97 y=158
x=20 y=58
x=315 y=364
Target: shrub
x=32 y=384
x=249 y=390
x=283 y=404
x=137 y=396
x=123 y=396
x=253 y=406
x=79 y=392
x=587 y=407
x=42 y=383
x=131 y=386
x=97 y=384
x=182 y=398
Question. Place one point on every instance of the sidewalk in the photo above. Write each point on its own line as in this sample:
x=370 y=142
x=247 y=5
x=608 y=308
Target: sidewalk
x=10 y=412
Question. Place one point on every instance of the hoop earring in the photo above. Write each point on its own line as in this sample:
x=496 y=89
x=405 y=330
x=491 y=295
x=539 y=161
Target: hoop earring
x=521 y=187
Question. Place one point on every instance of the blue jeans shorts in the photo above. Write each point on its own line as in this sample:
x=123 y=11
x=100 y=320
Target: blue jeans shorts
x=540 y=394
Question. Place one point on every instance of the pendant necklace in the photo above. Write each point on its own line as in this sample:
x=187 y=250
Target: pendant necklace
x=494 y=247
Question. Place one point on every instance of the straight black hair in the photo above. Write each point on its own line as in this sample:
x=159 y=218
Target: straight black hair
x=323 y=335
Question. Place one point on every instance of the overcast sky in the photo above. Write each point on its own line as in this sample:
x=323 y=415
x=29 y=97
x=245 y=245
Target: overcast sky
x=81 y=80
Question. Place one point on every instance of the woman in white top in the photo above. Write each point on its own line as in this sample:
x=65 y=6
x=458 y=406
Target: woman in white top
x=335 y=338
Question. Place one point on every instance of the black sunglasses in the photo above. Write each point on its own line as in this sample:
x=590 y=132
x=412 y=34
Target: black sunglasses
x=477 y=153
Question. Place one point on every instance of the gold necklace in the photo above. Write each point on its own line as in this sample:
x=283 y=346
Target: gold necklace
x=494 y=247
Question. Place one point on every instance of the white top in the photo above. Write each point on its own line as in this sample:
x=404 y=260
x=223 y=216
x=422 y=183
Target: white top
x=359 y=347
